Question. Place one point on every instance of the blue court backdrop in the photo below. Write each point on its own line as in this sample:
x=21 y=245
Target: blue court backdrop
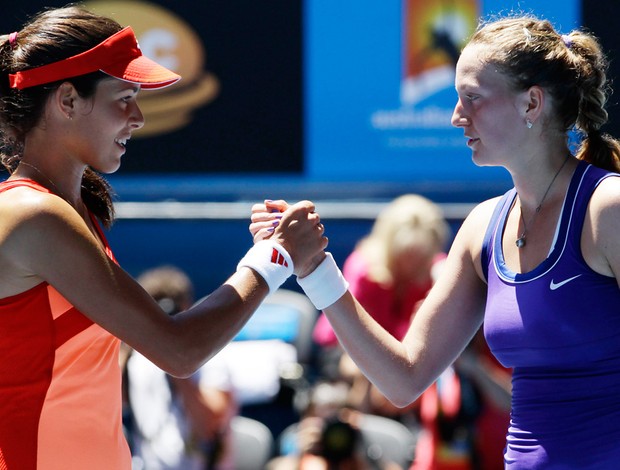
x=311 y=91
x=379 y=86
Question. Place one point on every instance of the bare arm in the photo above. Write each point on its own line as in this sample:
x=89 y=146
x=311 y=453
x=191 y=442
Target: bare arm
x=441 y=329
x=43 y=239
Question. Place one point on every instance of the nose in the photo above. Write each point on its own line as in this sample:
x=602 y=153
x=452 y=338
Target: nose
x=136 y=120
x=458 y=117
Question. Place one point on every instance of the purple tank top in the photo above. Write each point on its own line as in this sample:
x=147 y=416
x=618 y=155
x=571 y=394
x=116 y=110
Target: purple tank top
x=558 y=327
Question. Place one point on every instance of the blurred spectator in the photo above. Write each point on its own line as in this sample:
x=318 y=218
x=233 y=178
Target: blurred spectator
x=327 y=437
x=177 y=424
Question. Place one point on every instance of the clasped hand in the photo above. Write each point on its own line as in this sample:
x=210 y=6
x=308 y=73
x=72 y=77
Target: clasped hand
x=296 y=227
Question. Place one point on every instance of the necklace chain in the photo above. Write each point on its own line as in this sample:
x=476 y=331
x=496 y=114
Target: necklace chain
x=60 y=193
x=520 y=242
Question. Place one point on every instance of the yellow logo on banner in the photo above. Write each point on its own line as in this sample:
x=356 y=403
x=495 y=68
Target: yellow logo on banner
x=434 y=33
x=167 y=39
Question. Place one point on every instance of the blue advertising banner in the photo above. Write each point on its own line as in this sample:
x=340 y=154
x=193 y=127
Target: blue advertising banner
x=379 y=86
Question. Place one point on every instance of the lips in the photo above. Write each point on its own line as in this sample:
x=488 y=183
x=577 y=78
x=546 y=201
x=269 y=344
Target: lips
x=121 y=142
x=471 y=141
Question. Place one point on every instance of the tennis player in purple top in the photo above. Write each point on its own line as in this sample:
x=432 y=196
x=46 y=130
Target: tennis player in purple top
x=543 y=276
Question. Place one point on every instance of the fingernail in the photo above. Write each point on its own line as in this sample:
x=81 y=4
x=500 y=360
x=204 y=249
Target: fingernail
x=272 y=229
x=275 y=223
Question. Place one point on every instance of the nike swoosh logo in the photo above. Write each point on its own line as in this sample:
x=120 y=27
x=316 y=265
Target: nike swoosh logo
x=554 y=286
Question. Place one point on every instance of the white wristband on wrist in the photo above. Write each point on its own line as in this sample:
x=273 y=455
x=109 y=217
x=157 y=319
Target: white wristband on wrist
x=271 y=261
x=325 y=285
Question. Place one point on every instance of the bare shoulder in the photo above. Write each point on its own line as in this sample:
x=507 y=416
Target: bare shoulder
x=600 y=242
x=34 y=225
x=27 y=212
x=604 y=208
x=482 y=212
x=606 y=195
x=470 y=237
x=27 y=197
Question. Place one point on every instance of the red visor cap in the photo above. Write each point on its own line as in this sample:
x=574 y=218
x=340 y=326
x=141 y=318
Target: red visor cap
x=118 y=56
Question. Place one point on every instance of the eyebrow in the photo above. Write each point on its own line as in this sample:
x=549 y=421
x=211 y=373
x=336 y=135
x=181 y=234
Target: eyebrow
x=124 y=86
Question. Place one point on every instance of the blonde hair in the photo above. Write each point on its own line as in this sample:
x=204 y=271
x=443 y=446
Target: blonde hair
x=408 y=221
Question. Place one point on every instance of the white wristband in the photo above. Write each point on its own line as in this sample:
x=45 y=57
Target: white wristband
x=271 y=261
x=325 y=284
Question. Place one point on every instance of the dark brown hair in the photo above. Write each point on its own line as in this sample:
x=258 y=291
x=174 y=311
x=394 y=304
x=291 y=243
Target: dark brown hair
x=50 y=36
x=571 y=68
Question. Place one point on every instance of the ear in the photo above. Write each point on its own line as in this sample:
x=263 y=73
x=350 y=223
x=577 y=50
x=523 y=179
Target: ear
x=65 y=99
x=534 y=100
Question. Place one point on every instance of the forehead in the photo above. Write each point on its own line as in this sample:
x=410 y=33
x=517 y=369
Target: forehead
x=116 y=85
x=473 y=71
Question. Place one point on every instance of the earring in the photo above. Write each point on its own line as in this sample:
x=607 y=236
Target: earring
x=529 y=123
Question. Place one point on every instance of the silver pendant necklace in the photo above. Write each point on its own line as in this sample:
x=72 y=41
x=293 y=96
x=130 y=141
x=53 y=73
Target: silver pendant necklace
x=521 y=240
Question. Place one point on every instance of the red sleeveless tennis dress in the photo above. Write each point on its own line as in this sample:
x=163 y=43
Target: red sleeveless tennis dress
x=60 y=383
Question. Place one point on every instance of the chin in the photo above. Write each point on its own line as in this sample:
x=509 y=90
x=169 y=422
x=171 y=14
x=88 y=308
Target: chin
x=108 y=169
x=476 y=160
x=481 y=161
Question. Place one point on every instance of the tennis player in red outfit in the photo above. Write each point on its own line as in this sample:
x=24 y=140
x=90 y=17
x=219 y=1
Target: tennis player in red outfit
x=68 y=82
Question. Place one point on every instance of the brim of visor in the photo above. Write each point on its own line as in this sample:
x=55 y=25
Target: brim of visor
x=143 y=71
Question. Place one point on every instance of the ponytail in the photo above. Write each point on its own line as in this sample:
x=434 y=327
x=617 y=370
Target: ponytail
x=601 y=150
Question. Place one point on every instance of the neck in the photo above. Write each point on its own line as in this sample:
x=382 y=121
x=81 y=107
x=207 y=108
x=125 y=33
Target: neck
x=540 y=182
x=36 y=173
x=528 y=218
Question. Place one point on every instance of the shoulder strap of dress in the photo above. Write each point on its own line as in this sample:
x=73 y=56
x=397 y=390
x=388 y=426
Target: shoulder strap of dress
x=10 y=184
x=487 y=242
